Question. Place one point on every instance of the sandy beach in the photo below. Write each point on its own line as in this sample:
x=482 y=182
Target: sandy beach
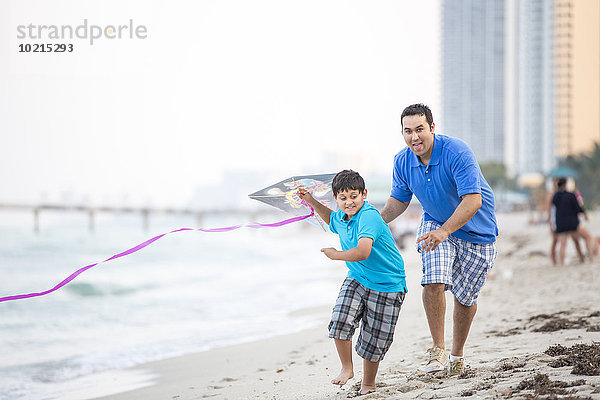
x=536 y=335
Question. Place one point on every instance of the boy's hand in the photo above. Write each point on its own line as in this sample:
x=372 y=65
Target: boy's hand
x=323 y=211
x=305 y=195
x=330 y=252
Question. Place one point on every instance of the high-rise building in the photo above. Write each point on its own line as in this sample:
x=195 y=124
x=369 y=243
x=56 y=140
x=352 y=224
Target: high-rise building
x=529 y=75
x=521 y=79
x=577 y=75
x=473 y=74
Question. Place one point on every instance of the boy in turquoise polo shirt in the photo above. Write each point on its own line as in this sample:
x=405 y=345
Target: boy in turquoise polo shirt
x=375 y=287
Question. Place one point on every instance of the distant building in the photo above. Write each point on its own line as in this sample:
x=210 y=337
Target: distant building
x=473 y=74
x=530 y=130
x=577 y=75
x=521 y=81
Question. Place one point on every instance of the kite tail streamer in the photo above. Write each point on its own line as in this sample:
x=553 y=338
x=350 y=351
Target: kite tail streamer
x=148 y=242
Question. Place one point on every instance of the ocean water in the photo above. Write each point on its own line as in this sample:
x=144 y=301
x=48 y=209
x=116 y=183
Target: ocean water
x=187 y=292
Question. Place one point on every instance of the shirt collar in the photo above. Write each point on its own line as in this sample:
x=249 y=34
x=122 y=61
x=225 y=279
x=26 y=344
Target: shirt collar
x=435 y=154
x=437 y=150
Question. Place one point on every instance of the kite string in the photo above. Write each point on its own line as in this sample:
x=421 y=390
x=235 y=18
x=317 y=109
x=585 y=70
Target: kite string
x=255 y=225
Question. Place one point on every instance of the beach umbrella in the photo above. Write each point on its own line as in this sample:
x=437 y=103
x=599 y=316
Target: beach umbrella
x=563 y=172
x=282 y=195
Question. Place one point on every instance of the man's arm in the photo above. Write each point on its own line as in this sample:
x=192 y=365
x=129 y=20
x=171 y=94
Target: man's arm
x=393 y=208
x=323 y=211
x=359 y=253
x=464 y=212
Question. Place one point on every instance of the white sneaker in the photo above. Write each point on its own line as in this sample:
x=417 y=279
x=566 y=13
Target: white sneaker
x=437 y=360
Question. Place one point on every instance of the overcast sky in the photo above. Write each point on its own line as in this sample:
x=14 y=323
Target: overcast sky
x=274 y=88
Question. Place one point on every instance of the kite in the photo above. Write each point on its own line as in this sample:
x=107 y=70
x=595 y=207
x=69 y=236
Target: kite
x=281 y=195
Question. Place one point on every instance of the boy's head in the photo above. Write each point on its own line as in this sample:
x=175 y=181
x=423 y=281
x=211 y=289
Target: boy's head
x=349 y=191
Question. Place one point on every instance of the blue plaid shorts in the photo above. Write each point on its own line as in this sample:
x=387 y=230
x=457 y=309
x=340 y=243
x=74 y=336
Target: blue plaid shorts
x=463 y=266
x=378 y=312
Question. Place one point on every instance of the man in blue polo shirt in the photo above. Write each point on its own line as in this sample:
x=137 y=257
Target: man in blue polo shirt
x=457 y=234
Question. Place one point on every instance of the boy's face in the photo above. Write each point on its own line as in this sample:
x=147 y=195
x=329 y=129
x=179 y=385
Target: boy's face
x=350 y=201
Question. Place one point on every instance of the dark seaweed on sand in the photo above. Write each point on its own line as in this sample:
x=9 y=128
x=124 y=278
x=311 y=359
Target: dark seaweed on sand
x=585 y=359
x=556 y=324
x=542 y=385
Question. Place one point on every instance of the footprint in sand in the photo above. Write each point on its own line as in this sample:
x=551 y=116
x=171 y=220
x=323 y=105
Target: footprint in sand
x=405 y=388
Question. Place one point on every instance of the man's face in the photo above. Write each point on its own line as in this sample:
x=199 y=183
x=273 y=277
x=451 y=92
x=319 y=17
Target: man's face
x=350 y=201
x=418 y=135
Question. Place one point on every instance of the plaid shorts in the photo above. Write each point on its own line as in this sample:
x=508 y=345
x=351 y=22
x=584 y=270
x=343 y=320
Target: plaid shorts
x=378 y=312
x=463 y=266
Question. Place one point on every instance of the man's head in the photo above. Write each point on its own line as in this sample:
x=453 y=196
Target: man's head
x=561 y=183
x=418 y=109
x=418 y=130
x=349 y=191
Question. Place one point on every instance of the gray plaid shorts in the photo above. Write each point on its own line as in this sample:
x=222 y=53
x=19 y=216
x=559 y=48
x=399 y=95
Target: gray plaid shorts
x=378 y=312
x=463 y=266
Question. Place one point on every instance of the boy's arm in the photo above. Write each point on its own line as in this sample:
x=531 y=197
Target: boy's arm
x=323 y=211
x=359 y=253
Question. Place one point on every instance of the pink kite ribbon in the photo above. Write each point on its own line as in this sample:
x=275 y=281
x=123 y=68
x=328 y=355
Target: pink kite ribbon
x=148 y=242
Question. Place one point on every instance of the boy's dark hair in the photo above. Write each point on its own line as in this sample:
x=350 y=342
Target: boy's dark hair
x=347 y=180
x=417 y=109
x=561 y=183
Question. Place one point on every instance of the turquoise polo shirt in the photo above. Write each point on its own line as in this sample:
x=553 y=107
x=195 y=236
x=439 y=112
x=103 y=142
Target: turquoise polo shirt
x=452 y=172
x=383 y=270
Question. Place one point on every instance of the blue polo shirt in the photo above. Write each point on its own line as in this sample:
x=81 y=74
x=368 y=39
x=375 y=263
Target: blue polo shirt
x=452 y=172
x=383 y=270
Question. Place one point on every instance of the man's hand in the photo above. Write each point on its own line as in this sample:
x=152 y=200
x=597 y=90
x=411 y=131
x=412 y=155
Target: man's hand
x=432 y=239
x=330 y=252
x=465 y=210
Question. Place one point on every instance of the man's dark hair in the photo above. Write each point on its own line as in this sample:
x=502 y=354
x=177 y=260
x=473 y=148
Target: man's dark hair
x=561 y=183
x=417 y=109
x=347 y=180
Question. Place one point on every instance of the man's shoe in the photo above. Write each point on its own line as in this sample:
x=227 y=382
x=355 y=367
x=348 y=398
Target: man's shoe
x=457 y=367
x=437 y=360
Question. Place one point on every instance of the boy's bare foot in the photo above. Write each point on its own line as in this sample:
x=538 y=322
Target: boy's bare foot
x=343 y=377
x=366 y=389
